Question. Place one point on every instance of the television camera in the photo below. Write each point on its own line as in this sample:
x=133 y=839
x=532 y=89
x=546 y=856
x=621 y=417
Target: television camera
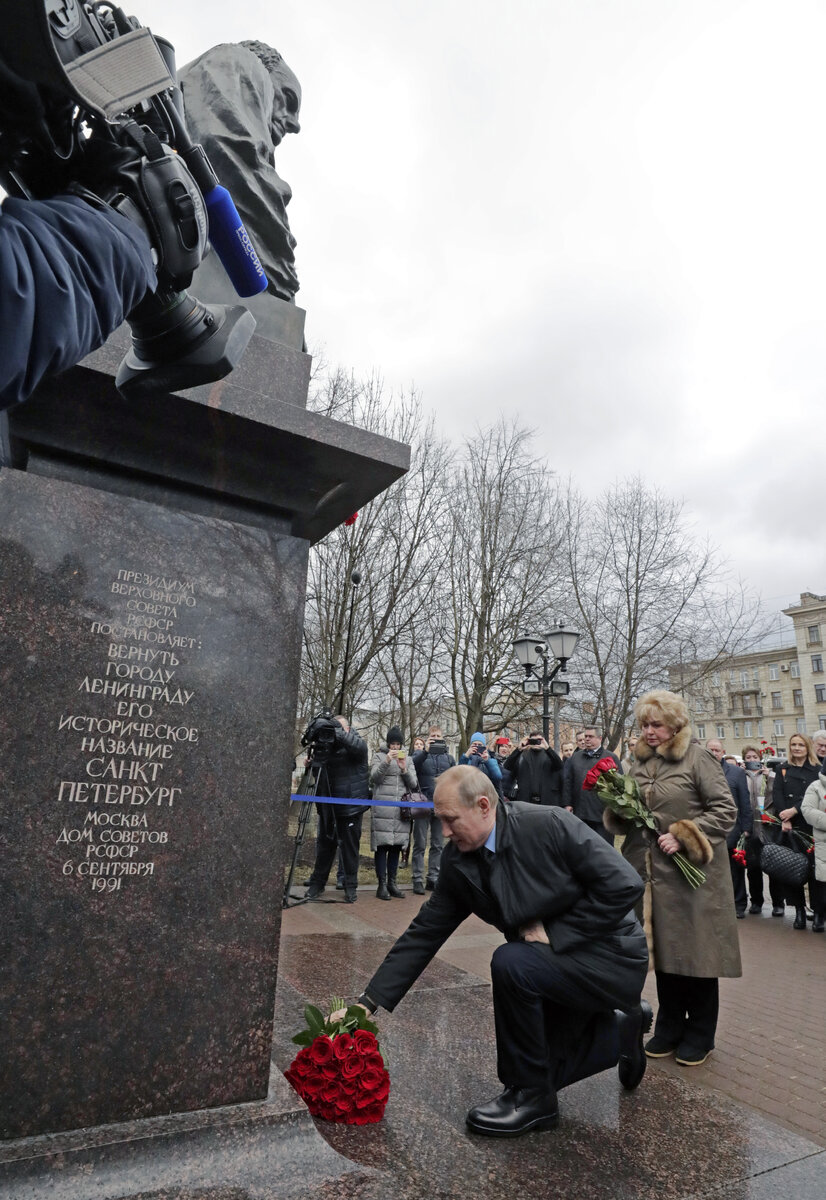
x=89 y=103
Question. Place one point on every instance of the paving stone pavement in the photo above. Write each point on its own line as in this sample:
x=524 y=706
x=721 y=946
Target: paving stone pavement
x=771 y=1038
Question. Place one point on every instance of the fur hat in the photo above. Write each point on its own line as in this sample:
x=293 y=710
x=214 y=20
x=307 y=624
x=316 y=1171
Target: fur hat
x=394 y=734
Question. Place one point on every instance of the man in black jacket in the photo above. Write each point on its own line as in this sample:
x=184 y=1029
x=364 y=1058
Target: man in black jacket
x=429 y=764
x=582 y=803
x=739 y=787
x=345 y=776
x=574 y=953
x=537 y=770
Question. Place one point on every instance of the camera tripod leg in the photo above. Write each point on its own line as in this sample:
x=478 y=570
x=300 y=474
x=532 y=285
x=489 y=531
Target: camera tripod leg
x=308 y=787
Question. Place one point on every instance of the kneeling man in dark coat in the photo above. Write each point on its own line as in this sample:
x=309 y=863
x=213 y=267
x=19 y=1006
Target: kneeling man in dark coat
x=574 y=954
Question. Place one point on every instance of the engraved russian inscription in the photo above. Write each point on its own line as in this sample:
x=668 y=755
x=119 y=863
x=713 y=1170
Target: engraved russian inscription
x=130 y=725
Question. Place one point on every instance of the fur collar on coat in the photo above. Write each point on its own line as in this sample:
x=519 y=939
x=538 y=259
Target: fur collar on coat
x=672 y=751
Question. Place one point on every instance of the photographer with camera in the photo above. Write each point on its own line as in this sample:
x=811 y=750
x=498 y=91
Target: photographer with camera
x=430 y=763
x=339 y=758
x=477 y=756
x=537 y=769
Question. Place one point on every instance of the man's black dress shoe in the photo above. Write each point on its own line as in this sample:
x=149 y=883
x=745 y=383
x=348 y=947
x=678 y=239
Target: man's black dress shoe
x=632 y=1028
x=516 y=1111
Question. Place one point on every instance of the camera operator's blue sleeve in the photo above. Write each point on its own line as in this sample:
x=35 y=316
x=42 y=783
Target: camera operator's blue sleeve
x=69 y=274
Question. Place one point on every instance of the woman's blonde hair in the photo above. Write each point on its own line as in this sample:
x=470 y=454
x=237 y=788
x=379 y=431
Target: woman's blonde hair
x=811 y=757
x=663 y=706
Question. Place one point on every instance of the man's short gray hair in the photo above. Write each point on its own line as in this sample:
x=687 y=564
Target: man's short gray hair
x=470 y=783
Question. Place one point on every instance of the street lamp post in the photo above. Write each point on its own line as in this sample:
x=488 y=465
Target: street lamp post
x=534 y=655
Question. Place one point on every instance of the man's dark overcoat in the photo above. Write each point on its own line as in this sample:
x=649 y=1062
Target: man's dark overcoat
x=548 y=866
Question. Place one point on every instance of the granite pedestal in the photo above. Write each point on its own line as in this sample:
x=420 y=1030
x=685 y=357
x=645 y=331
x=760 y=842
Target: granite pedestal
x=152 y=569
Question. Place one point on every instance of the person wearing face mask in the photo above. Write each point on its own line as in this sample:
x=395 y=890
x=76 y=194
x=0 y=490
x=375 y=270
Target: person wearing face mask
x=693 y=931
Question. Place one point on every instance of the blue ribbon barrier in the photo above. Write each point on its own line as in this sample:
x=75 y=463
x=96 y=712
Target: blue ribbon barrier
x=366 y=803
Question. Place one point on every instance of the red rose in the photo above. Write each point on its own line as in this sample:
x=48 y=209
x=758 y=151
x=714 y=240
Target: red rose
x=312 y=1086
x=590 y=780
x=321 y=1050
x=383 y=1090
x=374 y=1060
x=364 y=1041
x=331 y=1070
x=342 y=1045
x=371 y=1077
x=303 y=1067
x=352 y=1066
x=364 y=1099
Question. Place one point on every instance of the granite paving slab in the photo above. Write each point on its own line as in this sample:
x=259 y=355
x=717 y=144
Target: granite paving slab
x=670 y=1138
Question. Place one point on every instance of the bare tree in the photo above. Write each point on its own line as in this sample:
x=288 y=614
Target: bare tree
x=647 y=594
x=499 y=574
x=391 y=546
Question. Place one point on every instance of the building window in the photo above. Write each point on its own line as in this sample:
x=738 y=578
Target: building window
x=817 y=664
x=718 y=704
x=777 y=700
x=778 y=729
x=774 y=671
x=715 y=678
x=820 y=693
x=747 y=729
x=759 y=728
x=801 y=724
x=797 y=694
x=736 y=729
x=813 y=635
x=732 y=676
x=744 y=679
x=755 y=675
x=822 y=722
x=747 y=706
x=721 y=731
x=701 y=732
x=795 y=669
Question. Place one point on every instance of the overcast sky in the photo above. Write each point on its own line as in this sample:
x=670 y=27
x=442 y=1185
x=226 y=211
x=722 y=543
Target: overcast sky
x=603 y=216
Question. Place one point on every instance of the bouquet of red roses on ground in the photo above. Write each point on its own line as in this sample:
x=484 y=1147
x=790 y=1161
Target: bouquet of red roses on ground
x=621 y=795
x=340 y=1072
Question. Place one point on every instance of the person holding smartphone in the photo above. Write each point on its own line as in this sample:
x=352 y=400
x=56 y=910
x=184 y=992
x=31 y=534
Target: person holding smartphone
x=478 y=756
x=537 y=770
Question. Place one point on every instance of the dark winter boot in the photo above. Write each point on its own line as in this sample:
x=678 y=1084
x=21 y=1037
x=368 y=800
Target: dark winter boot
x=394 y=891
x=817 y=924
x=381 y=891
x=799 y=918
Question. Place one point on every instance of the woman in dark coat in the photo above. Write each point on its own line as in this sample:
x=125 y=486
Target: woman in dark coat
x=790 y=783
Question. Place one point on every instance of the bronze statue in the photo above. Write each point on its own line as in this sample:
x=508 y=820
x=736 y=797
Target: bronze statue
x=240 y=100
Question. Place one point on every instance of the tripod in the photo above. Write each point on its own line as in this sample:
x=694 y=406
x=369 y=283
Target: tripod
x=308 y=787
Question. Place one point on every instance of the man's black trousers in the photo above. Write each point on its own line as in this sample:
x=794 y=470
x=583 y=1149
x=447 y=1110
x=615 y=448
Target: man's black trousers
x=337 y=824
x=550 y=1030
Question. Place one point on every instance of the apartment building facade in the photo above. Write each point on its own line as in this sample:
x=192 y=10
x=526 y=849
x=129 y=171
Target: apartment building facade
x=768 y=694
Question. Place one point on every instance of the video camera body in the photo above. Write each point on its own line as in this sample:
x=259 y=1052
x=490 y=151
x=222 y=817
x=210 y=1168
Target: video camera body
x=89 y=103
x=322 y=736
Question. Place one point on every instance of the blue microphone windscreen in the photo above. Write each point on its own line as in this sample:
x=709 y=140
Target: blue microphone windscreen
x=232 y=244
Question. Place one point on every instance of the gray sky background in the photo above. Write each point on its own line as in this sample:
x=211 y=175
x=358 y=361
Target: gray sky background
x=602 y=216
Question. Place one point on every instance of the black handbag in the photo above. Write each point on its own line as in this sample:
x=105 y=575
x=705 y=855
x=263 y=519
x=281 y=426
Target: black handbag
x=783 y=863
x=416 y=798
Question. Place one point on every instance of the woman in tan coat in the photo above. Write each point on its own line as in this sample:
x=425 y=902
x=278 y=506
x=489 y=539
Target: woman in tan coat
x=693 y=933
